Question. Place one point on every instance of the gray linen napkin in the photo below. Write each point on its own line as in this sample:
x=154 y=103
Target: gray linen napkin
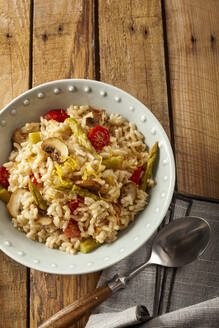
x=186 y=297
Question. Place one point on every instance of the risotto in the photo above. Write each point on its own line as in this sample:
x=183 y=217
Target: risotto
x=76 y=178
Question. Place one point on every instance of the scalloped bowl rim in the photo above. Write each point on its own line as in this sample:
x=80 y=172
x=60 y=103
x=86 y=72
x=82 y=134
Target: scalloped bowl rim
x=87 y=261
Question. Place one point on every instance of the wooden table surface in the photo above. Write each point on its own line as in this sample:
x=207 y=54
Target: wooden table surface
x=165 y=53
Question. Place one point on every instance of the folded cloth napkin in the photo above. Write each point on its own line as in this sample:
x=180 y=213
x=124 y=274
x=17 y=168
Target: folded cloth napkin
x=186 y=297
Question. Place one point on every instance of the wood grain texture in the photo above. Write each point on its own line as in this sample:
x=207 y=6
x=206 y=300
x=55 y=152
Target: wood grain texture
x=132 y=51
x=62 y=48
x=14 y=79
x=62 y=43
x=193 y=35
x=13 y=293
x=73 y=312
x=14 y=50
x=50 y=293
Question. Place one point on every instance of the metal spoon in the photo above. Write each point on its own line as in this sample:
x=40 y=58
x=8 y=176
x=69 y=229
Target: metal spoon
x=178 y=243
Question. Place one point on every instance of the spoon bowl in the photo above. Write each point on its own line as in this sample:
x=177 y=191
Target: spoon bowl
x=180 y=242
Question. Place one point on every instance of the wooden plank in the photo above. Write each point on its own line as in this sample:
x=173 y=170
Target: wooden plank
x=62 y=48
x=13 y=293
x=14 y=50
x=193 y=32
x=132 y=52
x=14 y=79
x=62 y=43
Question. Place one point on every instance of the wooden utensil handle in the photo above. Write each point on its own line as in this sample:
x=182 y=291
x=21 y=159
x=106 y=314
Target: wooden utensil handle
x=76 y=310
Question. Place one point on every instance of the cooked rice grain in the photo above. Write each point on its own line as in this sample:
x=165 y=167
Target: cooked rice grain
x=100 y=219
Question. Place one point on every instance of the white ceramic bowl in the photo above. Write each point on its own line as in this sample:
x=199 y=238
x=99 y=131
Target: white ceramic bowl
x=60 y=94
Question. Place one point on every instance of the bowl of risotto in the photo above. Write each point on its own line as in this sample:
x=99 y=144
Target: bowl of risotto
x=86 y=176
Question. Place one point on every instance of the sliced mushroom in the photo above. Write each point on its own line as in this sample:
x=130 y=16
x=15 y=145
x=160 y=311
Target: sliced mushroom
x=130 y=189
x=20 y=135
x=89 y=184
x=15 y=202
x=44 y=220
x=98 y=118
x=56 y=149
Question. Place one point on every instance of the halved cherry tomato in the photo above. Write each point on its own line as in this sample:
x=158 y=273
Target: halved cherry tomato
x=72 y=230
x=34 y=179
x=80 y=199
x=73 y=204
x=4 y=175
x=136 y=176
x=58 y=115
x=99 y=137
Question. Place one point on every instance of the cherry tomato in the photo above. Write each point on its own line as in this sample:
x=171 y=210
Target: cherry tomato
x=72 y=230
x=58 y=115
x=136 y=176
x=4 y=175
x=33 y=179
x=99 y=137
x=80 y=199
x=73 y=204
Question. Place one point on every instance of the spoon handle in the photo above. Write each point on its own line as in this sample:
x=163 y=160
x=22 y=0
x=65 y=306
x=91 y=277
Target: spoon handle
x=73 y=312
x=84 y=305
